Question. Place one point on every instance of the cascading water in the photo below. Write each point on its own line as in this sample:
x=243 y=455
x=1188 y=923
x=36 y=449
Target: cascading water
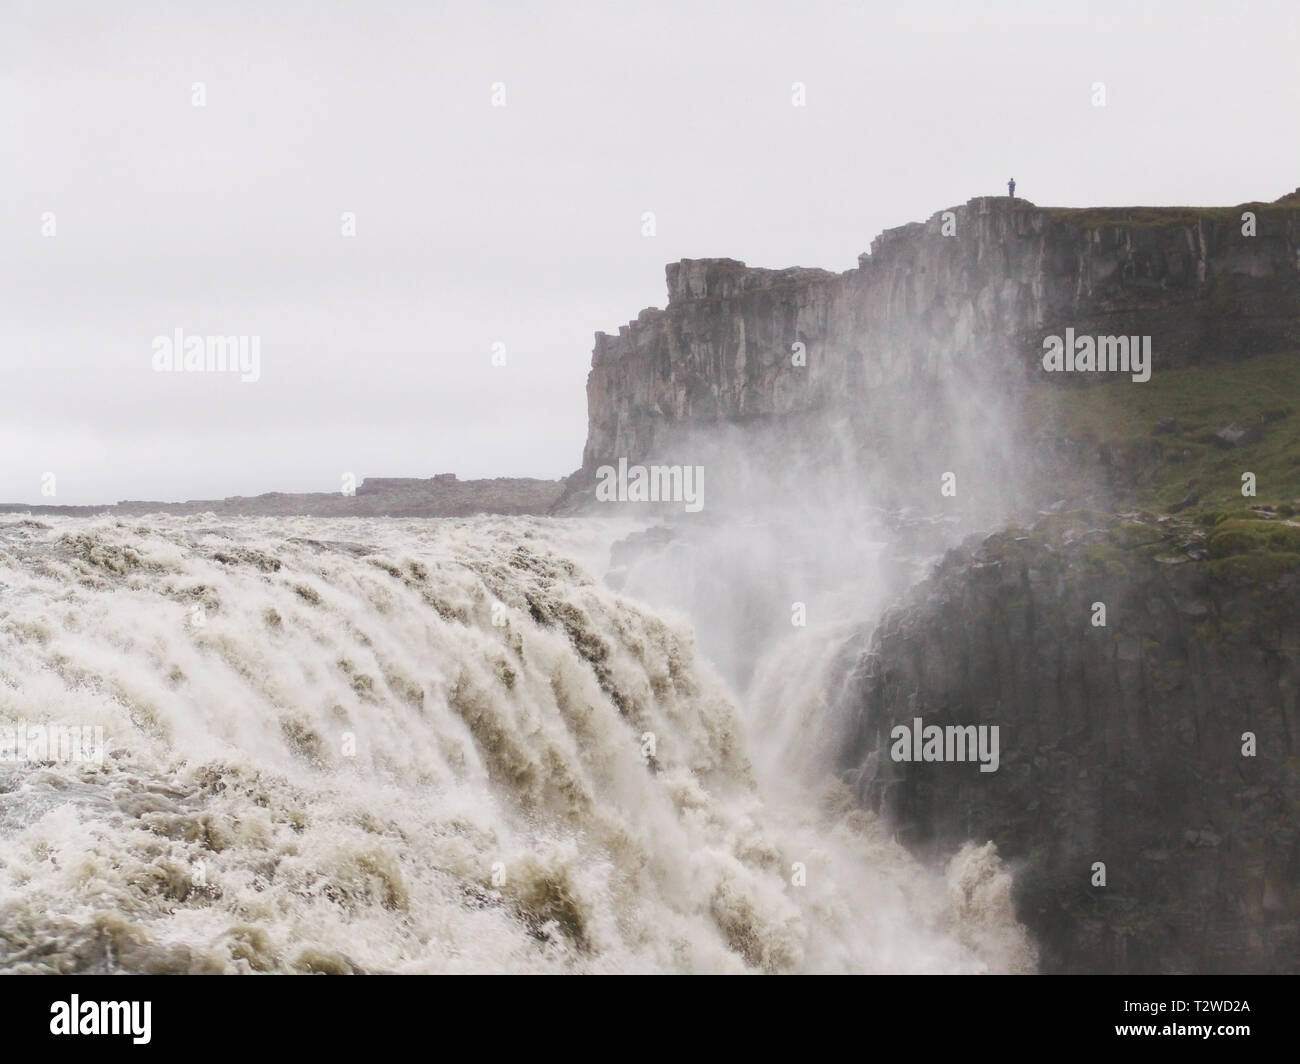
x=408 y=746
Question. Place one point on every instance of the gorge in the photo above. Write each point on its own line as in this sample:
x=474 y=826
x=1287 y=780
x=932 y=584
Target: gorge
x=611 y=723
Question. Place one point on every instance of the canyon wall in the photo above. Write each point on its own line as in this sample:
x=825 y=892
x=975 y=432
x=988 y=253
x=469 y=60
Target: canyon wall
x=1161 y=745
x=918 y=344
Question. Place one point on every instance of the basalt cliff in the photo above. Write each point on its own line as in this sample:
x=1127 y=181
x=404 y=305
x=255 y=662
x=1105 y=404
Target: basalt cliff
x=924 y=306
x=937 y=332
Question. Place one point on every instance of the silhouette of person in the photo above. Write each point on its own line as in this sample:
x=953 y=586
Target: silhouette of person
x=1011 y=187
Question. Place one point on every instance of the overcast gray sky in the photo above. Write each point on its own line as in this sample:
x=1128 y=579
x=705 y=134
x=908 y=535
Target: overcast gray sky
x=520 y=224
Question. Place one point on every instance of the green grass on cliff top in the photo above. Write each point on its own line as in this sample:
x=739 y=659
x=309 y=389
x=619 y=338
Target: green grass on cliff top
x=1167 y=217
x=1167 y=468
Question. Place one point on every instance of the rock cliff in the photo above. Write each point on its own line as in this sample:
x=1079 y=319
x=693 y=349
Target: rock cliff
x=1161 y=743
x=940 y=323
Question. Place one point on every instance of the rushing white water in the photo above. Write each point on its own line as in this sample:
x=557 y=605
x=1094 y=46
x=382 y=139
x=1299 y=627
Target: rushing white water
x=322 y=754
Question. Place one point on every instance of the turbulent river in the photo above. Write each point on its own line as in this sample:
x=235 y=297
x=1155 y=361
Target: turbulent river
x=424 y=746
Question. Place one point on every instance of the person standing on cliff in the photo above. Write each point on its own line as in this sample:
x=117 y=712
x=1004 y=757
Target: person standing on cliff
x=1011 y=188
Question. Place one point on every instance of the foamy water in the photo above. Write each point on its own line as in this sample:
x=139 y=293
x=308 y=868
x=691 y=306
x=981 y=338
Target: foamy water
x=425 y=746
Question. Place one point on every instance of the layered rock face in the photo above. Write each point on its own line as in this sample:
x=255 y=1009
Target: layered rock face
x=1162 y=745
x=916 y=346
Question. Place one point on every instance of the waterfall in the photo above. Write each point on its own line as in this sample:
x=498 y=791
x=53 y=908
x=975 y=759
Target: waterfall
x=375 y=745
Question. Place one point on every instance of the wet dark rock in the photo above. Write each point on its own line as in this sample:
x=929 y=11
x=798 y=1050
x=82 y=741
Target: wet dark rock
x=1120 y=744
